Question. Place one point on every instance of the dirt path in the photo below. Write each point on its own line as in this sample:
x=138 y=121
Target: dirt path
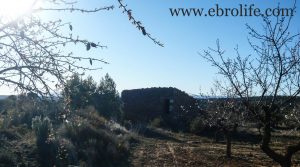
x=155 y=153
x=166 y=153
x=171 y=149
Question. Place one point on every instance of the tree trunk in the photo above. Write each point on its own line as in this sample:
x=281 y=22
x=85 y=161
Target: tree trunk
x=217 y=136
x=228 y=145
x=227 y=134
x=266 y=139
x=283 y=160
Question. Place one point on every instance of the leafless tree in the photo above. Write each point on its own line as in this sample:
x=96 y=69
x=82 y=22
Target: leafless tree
x=224 y=113
x=267 y=83
x=32 y=54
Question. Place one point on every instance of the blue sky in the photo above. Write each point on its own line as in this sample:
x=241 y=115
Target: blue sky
x=136 y=62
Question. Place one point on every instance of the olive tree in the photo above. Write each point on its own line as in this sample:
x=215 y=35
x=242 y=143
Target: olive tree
x=267 y=82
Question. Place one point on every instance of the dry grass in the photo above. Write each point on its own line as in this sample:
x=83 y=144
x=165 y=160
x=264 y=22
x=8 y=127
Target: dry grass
x=187 y=150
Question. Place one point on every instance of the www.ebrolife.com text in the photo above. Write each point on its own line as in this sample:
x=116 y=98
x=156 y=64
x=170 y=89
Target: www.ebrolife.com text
x=242 y=10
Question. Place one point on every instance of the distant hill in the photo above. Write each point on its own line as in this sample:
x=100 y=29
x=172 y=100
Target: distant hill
x=3 y=97
x=199 y=97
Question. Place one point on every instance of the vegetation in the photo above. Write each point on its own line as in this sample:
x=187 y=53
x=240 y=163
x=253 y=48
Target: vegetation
x=81 y=93
x=32 y=55
x=93 y=138
x=85 y=135
x=79 y=139
x=267 y=84
x=89 y=124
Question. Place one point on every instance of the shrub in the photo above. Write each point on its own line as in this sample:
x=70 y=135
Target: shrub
x=116 y=128
x=92 y=142
x=27 y=116
x=47 y=148
x=156 y=122
x=5 y=122
x=197 y=125
x=127 y=124
x=89 y=113
x=53 y=151
x=138 y=128
x=42 y=129
x=66 y=154
x=9 y=134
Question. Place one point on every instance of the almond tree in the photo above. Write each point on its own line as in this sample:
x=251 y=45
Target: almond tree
x=32 y=54
x=224 y=113
x=268 y=82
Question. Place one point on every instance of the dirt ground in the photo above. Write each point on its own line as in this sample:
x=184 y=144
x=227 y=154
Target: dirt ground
x=186 y=150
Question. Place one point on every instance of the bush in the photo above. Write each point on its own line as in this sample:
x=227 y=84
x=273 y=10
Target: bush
x=138 y=128
x=27 y=107
x=94 y=137
x=47 y=148
x=52 y=151
x=8 y=134
x=92 y=143
x=156 y=122
x=42 y=129
x=89 y=113
x=197 y=125
x=116 y=128
x=65 y=153
x=85 y=138
x=4 y=122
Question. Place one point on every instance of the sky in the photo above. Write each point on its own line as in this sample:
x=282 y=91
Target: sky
x=136 y=62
